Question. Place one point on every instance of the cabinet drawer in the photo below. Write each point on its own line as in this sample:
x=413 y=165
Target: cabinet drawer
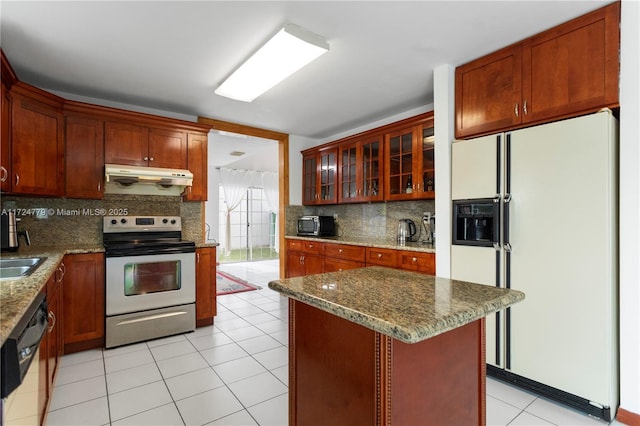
x=334 y=265
x=294 y=245
x=345 y=251
x=415 y=261
x=313 y=247
x=381 y=257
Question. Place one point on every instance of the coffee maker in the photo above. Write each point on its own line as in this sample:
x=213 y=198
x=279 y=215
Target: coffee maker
x=9 y=233
x=429 y=227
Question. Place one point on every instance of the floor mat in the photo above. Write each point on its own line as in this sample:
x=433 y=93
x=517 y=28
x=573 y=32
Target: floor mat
x=227 y=283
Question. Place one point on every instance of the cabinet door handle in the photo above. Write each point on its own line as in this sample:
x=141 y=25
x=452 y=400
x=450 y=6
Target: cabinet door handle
x=150 y=158
x=17 y=179
x=146 y=158
x=99 y=186
x=52 y=320
x=302 y=260
x=63 y=270
x=339 y=250
x=379 y=255
x=5 y=174
x=414 y=260
x=197 y=257
x=524 y=107
x=516 y=109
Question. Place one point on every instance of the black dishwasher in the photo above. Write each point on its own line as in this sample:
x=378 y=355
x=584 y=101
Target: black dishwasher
x=22 y=344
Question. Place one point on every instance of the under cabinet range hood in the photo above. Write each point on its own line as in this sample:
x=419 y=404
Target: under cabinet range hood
x=124 y=179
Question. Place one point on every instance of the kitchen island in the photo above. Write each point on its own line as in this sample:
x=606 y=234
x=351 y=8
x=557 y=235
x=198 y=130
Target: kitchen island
x=382 y=346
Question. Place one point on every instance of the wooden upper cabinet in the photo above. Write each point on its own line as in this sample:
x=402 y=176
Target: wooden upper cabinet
x=167 y=148
x=137 y=145
x=360 y=170
x=37 y=142
x=84 y=157
x=126 y=143
x=197 y=164
x=410 y=162
x=319 y=176
x=488 y=92
x=569 y=70
x=573 y=67
x=5 y=140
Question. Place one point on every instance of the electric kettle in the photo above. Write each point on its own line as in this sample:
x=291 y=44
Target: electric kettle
x=406 y=230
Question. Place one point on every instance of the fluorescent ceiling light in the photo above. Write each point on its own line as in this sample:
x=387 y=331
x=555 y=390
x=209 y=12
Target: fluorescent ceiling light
x=288 y=51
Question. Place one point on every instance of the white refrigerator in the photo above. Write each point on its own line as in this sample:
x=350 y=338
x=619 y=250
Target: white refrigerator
x=555 y=189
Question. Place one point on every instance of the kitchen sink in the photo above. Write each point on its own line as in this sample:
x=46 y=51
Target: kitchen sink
x=20 y=267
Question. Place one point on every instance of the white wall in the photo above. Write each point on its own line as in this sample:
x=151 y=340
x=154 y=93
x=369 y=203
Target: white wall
x=212 y=205
x=630 y=207
x=378 y=123
x=444 y=97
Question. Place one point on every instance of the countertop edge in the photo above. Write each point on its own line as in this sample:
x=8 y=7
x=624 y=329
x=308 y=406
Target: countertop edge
x=367 y=242
x=403 y=334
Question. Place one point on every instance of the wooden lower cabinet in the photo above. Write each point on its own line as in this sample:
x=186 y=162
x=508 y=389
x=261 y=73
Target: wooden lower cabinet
x=304 y=258
x=341 y=257
x=49 y=352
x=417 y=261
x=312 y=257
x=341 y=373
x=43 y=381
x=205 y=286
x=334 y=265
x=382 y=257
x=83 y=302
x=55 y=331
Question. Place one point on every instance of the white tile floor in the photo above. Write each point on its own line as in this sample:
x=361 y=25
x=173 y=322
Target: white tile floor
x=233 y=373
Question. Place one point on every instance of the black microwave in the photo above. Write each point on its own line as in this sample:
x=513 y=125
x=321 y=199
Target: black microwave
x=476 y=222
x=317 y=226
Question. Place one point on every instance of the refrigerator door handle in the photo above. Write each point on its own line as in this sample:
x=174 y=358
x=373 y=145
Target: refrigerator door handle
x=505 y=222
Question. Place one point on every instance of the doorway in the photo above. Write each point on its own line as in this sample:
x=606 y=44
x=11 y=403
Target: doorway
x=252 y=228
x=282 y=140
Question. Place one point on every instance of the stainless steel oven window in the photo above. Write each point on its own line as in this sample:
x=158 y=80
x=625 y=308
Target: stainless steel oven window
x=151 y=277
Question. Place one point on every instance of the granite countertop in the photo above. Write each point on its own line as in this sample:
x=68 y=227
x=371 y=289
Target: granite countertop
x=17 y=294
x=207 y=244
x=370 y=242
x=407 y=306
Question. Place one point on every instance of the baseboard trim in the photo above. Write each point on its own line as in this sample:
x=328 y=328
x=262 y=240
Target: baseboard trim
x=574 y=401
x=628 y=418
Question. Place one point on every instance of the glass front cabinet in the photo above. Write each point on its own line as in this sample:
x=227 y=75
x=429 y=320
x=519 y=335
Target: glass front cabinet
x=360 y=170
x=409 y=163
x=319 y=176
x=389 y=163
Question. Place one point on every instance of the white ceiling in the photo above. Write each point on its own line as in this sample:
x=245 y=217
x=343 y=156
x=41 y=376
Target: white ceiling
x=171 y=55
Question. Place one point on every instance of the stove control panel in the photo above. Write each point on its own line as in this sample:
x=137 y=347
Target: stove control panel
x=141 y=224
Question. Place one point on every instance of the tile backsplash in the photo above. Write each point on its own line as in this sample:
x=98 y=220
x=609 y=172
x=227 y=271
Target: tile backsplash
x=375 y=220
x=72 y=222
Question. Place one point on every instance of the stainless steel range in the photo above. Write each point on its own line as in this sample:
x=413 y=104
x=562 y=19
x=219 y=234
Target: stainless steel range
x=150 y=278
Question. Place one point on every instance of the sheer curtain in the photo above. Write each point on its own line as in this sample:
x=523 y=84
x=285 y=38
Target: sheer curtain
x=235 y=184
x=270 y=186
